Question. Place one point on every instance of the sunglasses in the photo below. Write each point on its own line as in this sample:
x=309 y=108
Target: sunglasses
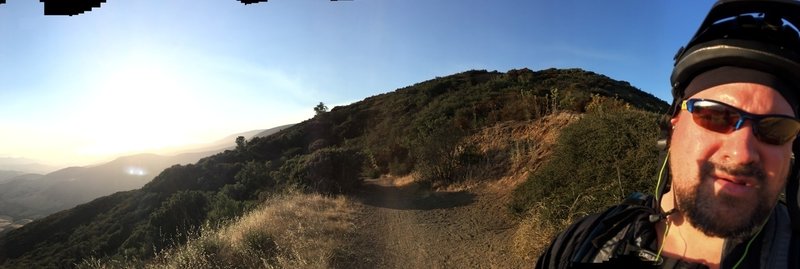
x=723 y=118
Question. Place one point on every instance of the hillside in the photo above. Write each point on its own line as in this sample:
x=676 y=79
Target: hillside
x=24 y=197
x=30 y=197
x=6 y=175
x=420 y=129
x=23 y=166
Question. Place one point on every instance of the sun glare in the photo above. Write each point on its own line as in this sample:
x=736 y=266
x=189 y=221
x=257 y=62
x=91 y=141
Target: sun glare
x=136 y=171
x=142 y=103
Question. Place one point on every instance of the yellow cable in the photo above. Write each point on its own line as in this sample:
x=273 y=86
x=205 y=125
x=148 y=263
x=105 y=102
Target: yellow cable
x=663 y=241
x=660 y=174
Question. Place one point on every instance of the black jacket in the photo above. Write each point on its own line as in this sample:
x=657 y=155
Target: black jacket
x=624 y=236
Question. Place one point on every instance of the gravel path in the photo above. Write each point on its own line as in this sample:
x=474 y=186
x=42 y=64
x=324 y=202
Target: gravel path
x=409 y=227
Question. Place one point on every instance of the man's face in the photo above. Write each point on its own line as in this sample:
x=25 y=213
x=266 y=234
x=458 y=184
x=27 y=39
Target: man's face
x=727 y=183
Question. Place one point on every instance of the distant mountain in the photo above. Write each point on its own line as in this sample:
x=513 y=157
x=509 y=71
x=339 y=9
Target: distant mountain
x=229 y=142
x=268 y=132
x=404 y=131
x=25 y=165
x=33 y=196
x=5 y=175
x=36 y=196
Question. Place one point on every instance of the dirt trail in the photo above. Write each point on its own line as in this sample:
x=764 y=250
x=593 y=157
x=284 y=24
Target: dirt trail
x=405 y=226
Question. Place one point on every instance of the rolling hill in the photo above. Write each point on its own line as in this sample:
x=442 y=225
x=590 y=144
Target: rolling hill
x=6 y=175
x=25 y=197
x=40 y=196
x=417 y=129
x=23 y=166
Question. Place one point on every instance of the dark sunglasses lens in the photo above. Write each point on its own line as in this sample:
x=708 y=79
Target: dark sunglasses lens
x=777 y=130
x=715 y=117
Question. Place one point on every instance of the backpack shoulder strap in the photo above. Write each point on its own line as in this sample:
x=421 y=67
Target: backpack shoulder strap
x=560 y=252
x=778 y=240
x=626 y=229
x=600 y=237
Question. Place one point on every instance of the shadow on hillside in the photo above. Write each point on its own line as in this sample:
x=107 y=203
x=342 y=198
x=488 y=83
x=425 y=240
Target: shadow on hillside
x=413 y=197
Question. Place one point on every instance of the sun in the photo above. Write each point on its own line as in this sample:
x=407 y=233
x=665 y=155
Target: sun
x=138 y=104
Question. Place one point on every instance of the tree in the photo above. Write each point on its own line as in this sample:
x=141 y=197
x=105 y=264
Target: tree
x=321 y=108
x=241 y=142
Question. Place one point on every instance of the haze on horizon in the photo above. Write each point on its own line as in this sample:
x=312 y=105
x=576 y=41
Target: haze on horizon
x=139 y=76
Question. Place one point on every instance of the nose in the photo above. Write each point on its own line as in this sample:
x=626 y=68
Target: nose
x=740 y=146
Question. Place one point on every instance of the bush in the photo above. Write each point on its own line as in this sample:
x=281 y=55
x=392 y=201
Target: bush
x=175 y=178
x=598 y=160
x=438 y=156
x=223 y=208
x=328 y=170
x=181 y=214
x=333 y=170
x=253 y=176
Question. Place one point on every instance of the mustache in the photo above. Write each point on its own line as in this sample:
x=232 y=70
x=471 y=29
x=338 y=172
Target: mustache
x=751 y=170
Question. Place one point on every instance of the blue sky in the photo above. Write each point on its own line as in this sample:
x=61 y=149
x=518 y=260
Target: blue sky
x=139 y=75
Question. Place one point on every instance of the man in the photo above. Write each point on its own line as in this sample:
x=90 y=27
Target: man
x=734 y=122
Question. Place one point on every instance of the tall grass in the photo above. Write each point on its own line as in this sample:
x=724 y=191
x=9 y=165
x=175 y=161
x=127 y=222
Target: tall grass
x=293 y=230
x=598 y=161
x=533 y=235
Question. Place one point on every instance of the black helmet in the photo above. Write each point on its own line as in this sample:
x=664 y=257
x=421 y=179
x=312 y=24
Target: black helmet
x=754 y=34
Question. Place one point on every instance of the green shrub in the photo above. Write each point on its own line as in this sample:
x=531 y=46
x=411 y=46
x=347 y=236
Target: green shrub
x=183 y=213
x=253 y=176
x=438 y=155
x=333 y=170
x=328 y=170
x=598 y=160
x=223 y=208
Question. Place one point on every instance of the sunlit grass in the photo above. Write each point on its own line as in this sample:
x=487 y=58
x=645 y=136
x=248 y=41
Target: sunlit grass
x=288 y=231
x=533 y=235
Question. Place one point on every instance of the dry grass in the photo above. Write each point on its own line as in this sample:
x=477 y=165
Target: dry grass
x=404 y=180
x=289 y=231
x=532 y=236
x=512 y=150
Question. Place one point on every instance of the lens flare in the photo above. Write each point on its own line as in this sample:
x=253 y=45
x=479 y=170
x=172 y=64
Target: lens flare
x=136 y=171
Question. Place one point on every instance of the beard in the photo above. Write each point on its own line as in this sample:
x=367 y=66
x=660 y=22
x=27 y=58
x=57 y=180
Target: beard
x=723 y=215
